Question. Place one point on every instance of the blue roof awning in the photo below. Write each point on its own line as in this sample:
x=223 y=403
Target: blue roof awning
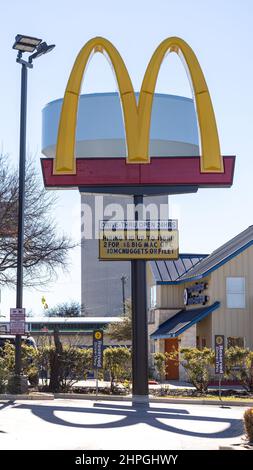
x=183 y=320
x=165 y=271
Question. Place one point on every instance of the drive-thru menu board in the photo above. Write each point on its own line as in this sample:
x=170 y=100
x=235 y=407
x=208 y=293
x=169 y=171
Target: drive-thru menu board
x=142 y=239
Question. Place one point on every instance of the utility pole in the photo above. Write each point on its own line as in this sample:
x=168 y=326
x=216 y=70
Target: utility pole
x=123 y=280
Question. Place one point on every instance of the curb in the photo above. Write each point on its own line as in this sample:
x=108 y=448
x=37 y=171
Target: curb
x=236 y=447
x=82 y=396
x=202 y=402
x=12 y=397
x=85 y=396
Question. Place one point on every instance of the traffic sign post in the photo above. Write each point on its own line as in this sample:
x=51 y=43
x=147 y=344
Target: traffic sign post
x=98 y=346
x=219 y=358
x=17 y=383
x=17 y=321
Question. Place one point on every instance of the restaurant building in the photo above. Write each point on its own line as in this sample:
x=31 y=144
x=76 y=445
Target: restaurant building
x=199 y=296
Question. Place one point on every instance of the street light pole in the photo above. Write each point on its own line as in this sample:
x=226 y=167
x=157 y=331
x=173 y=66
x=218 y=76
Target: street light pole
x=21 y=206
x=23 y=44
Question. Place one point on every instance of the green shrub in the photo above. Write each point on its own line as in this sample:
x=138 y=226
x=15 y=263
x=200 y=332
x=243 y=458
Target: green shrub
x=3 y=375
x=239 y=366
x=117 y=363
x=33 y=376
x=75 y=365
x=161 y=364
x=248 y=424
x=28 y=362
x=72 y=365
x=197 y=363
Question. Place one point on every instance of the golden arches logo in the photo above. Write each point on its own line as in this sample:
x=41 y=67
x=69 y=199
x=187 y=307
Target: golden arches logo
x=98 y=335
x=219 y=340
x=137 y=117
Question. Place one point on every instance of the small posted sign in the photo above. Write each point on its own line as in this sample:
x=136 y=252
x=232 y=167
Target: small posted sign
x=98 y=349
x=219 y=354
x=17 y=321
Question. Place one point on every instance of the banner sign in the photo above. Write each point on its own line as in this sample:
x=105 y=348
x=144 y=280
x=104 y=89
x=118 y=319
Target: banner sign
x=17 y=321
x=196 y=299
x=194 y=295
x=126 y=240
x=98 y=349
x=197 y=287
x=219 y=354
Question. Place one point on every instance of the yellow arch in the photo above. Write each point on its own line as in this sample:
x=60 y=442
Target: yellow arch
x=211 y=159
x=136 y=118
x=65 y=149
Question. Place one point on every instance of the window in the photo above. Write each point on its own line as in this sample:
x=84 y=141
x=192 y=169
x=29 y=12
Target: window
x=235 y=289
x=151 y=317
x=153 y=297
x=3 y=329
x=152 y=346
x=234 y=341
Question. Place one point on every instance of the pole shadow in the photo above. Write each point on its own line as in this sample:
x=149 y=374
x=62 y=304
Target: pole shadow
x=133 y=415
x=5 y=404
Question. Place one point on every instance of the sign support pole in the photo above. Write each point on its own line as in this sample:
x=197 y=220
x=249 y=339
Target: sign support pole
x=97 y=354
x=139 y=325
x=219 y=342
x=96 y=383
x=220 y=376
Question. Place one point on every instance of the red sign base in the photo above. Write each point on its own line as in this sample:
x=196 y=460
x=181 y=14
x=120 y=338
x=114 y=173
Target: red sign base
x=161 y=172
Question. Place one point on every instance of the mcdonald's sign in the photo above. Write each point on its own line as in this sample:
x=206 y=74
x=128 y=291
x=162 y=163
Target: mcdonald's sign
x=209 y=169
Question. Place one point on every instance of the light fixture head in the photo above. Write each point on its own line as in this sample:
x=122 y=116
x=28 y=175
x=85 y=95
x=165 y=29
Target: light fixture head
x=42 y=48
x=26 y=43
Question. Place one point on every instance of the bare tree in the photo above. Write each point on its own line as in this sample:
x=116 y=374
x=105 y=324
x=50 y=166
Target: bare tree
x=44 y=249
x=122 y=331
x=66 y=309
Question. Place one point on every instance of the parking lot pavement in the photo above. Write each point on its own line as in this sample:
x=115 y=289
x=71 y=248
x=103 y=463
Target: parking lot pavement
x=84 y=424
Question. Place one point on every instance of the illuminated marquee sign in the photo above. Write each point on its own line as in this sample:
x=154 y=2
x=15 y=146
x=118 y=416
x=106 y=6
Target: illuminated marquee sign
x=126 y=240
x=210 y=169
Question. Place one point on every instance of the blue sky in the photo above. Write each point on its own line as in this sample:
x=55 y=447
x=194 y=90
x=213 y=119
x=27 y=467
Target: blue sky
x=220 y=33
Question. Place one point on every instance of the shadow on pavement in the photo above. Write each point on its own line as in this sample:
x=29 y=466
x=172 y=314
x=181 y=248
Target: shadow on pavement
x=136 y=414
x=4 y=404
